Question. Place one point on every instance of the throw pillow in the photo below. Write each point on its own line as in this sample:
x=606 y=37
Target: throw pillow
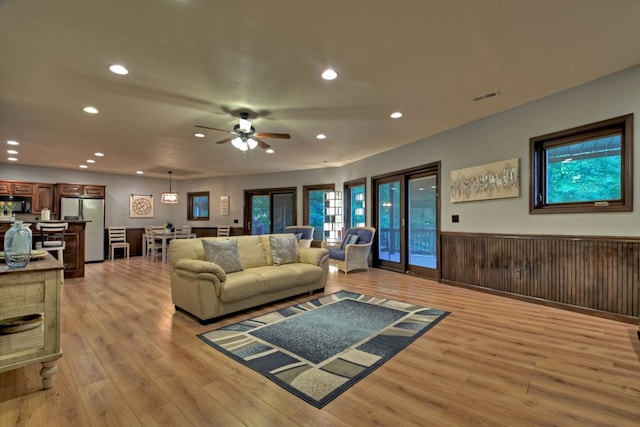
x=283 y=249
x=298 y=236
x=224 y=253
x=352 y=239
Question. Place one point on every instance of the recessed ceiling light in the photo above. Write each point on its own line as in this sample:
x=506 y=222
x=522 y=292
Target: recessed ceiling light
x=140 y=172
x=270 y=150
x=329 y=74
x=98 y=154
x=199 y=135
x=90 y=161
x=321 y=136
x=13 y=143
x=84 y=166
x=90 y=110
x=396 y=115
x=12 y=152
x=12 y=159
x=119 y=69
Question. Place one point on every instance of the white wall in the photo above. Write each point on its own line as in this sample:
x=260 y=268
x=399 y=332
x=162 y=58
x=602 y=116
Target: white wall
x=499 y=137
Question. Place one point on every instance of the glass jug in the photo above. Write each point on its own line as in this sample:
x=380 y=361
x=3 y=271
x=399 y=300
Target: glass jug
x=17 y=245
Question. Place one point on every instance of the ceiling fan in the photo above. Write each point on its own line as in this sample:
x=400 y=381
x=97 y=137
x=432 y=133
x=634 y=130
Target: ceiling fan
x=245 y=135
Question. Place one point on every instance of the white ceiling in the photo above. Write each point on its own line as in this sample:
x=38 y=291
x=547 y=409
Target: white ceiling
x=201 y=62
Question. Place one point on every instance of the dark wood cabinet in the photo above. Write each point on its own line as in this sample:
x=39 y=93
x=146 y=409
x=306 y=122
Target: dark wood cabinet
x=21 y=188
x=43 y=198
x=5 y=188
x=74 y=246
x=93 y=191
x=13 y=188
x=74 y=249
x=80 y=190
x=69 y=189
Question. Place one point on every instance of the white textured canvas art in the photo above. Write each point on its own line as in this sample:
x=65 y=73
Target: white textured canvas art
x=497 y=180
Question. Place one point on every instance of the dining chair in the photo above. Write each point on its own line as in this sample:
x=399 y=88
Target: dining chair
x=154 y=247
x=118 y=240
x=183 y=232
x=52 y=239
x=224 y=231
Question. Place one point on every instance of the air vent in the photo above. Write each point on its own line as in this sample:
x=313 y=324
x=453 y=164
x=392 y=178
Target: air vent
x=486 y=96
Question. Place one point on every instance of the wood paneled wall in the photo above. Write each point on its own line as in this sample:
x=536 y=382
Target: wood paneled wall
x=593 y=273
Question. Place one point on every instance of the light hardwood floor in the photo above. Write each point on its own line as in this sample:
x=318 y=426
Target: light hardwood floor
x=130 y=359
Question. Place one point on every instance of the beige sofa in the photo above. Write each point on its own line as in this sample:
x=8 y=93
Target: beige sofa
x=205 y=285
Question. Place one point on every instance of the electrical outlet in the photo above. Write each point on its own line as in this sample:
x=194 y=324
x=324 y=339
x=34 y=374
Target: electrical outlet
x=517 y=273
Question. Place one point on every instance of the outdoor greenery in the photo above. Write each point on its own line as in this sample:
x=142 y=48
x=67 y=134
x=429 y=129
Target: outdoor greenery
x=584 y=180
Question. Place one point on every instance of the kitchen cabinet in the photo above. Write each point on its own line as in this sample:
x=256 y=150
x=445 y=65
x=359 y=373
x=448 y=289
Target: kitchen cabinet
x=80 y=190
x=12 y=188
x=74 y=238
x=43 y=198
x=30 y=291
x=21 y=189
x=94 y=191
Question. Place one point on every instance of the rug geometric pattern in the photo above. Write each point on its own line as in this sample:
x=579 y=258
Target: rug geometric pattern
x=320 y=348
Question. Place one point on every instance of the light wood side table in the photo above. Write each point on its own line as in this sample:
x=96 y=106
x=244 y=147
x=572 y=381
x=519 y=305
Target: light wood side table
x=34 y=289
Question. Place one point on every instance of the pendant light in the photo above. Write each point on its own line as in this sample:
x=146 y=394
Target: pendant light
x=169 y=197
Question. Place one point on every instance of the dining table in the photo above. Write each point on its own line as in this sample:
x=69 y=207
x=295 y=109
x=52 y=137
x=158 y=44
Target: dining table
x=165 y=238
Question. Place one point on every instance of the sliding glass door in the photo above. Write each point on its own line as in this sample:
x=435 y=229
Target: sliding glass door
x=421 y=233
x=407 y=208
x=269 y=210
x=390 y=224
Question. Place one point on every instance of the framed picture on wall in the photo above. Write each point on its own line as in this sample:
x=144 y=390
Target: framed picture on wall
x=224 y=205
x=140 y=206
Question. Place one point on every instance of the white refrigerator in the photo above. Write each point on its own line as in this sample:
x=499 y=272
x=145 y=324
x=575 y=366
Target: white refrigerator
x=91 y=210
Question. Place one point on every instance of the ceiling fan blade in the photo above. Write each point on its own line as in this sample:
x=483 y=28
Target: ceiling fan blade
x=222 y=141
x=221 y=130
x=272 y=135
x=261 y=143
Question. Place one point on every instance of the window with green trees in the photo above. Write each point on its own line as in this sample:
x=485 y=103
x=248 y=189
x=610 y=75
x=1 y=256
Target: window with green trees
x=585 y=169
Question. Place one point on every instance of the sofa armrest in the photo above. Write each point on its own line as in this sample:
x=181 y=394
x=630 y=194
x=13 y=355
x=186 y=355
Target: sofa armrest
x=305 y=243
x=315 y=256
x=197 y=266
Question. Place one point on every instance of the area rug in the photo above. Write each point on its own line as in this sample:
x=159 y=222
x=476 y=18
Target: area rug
x=320 y=348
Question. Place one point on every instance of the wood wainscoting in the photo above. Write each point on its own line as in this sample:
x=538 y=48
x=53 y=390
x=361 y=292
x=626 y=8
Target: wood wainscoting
x=599 y=275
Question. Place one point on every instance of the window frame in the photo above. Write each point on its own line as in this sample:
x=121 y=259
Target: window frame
x=539 y=145
x=347 y=186
x=271 y=192
x=306 y=208
x=191 y=205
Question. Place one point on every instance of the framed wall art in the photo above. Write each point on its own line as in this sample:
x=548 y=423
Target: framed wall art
x=497 y=180
x=140 y=206
x=224 y=205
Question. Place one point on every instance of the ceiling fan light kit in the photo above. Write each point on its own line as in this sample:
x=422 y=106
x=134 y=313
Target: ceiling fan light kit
x=246 y=138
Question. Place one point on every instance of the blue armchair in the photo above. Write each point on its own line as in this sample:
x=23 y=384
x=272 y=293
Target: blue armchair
x=354 y=251
x=304 y=234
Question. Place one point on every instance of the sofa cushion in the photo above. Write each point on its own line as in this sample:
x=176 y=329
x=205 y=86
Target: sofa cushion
x=305 y=274
x=336 y=254
x=276 y=278
x=224 y=253
x=364 y=236
x=241 y=285
x=283 y=249
x=251 y=252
